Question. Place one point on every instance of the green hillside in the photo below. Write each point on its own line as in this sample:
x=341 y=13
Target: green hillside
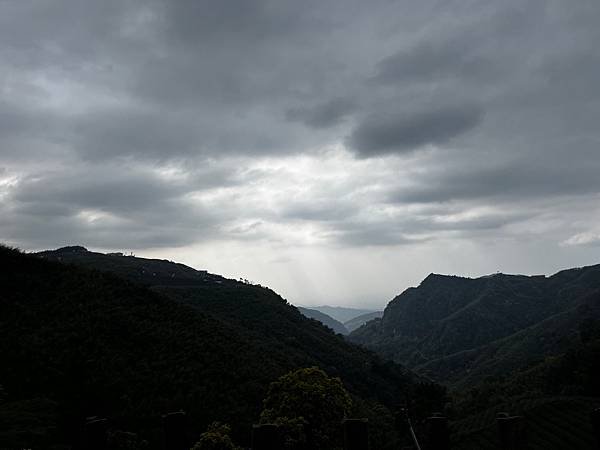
x=460 y=330
x=78 y=342
x=256 y=313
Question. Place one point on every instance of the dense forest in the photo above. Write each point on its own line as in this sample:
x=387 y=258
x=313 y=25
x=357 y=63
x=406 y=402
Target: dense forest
x=556 y=395
x=527 y=345
x=79 y=342
x=462 y=330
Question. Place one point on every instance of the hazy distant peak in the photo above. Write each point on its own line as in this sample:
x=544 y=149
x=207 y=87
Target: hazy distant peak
x=359 y=321
x=325 y=319
x=341 y=313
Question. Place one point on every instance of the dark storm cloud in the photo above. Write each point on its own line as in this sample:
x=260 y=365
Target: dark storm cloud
x=520 y=180
x=322 y=115
x=102 y=192
x=92 y=94
x=113 y=206
x=369 y=234
x=181 y=78
x=319 y=211
x=40 y=232
x=418 y=227
x=21 y=121
x=400 y=133
x=428 y=61
x=254 y=20
x=122 y=132
x=12 y=120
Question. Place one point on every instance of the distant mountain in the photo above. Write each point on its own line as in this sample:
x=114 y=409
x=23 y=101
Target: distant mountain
x=359 y=321
x=326 y=320
x=340 y=313
x=460 y=330
x=132 y=338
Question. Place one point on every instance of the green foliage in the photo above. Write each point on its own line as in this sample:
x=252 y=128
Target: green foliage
x=216 y=437
x=381 y=419
x=576 y=372
x=30 y=423
x=309 y=397
x=589 y=329
x=124 y=440
x=553 y=423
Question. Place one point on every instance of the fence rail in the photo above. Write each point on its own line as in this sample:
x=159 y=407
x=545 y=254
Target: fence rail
x=511 y=433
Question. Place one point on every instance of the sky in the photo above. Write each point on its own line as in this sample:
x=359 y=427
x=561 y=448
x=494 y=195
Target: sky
x=335 y=151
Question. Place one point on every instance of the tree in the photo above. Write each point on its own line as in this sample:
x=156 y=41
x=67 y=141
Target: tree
x=123 y=440
x=309 y=406
x=216 y=437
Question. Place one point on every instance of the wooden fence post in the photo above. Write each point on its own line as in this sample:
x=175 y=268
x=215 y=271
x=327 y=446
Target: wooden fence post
x=438 y=434
x=175 y=431
x=596 y=425
x=356 y=434
x=511 y=432
x=96 y=433
x=266 y=436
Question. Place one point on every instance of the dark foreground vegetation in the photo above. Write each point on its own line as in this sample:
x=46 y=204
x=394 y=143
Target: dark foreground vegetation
x=134 y=341
x=77 y=342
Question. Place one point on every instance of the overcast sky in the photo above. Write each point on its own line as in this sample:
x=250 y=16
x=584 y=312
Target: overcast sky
x=336 y=151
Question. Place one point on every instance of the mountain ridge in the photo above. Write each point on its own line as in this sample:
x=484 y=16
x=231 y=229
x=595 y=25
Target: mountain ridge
x=359 y=321
x=341 y=313
x=337 y=326
x=68 y=327
x=448 y=322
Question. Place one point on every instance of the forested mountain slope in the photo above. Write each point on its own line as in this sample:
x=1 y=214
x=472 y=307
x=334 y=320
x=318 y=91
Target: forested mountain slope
x=78 y=342
x=255 y=312
x=460 y=330
x=359 y=321
x=556 y=397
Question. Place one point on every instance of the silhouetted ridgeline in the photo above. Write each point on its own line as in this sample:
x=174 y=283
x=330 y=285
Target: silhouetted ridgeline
x=78 y=342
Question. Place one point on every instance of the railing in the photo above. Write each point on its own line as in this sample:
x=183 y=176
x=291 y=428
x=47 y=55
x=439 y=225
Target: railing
x=512 y=433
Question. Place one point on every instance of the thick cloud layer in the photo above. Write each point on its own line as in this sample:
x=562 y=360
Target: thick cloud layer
x=302 y=132
x=383 y=134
